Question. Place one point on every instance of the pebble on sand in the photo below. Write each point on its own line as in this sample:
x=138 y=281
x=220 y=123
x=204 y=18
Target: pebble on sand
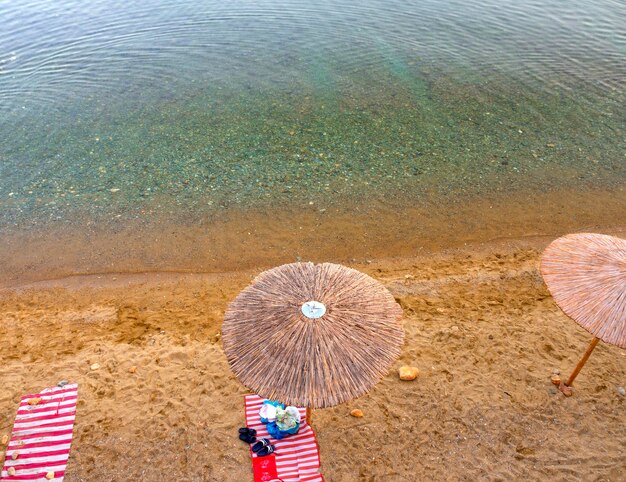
x=5 y=439
x=95 y=366
x=565 y=390
x=132 y=369
x=408 y=373
x=356 y=413
x=621 y=391
x=556 y=380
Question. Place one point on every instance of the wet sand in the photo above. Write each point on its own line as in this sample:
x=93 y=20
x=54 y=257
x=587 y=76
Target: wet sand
x=346 y=232
x=480 y=325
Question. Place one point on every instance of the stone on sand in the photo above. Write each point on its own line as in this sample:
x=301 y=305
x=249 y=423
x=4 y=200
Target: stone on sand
x=5 y=439
x=556 y=380
x=95 y=366
x=132 y=369
x=408 y=373
x=357 y=413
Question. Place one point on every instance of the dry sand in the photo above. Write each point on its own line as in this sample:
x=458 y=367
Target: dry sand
x=481 y=326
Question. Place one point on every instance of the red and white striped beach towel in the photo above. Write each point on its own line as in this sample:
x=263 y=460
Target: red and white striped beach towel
x=296 y=456
x=42 y=434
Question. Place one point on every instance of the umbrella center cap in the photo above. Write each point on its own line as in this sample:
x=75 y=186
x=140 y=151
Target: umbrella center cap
x=313 y=309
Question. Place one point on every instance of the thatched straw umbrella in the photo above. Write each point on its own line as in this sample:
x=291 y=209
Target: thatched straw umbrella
x=586 y=275
x=312 y=335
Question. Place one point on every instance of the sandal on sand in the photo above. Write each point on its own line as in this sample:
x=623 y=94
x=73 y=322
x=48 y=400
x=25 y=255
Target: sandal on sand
x=265 y=451
x=260 y=444
x=246 y=437
x=248 y=431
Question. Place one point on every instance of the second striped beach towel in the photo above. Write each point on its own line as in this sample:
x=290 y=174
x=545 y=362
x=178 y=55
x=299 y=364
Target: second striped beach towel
x=296 y=458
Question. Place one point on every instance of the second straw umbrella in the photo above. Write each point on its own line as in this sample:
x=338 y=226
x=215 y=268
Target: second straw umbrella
x=586 y=275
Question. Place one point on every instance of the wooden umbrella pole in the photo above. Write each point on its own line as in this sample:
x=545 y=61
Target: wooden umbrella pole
x=582 y=361
x=309 y=415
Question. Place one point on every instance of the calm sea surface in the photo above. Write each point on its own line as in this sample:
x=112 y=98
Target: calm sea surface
x=113 y=111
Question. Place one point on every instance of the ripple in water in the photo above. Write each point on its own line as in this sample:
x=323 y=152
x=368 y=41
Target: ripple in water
x=214 y=103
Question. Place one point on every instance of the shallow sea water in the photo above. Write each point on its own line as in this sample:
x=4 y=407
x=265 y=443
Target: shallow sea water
x=118 y=111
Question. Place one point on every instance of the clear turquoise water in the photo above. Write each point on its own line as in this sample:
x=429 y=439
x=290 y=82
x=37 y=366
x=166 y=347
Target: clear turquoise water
x=115 y=110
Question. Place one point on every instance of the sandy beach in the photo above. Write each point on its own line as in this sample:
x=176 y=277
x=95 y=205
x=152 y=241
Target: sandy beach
x=480 y=326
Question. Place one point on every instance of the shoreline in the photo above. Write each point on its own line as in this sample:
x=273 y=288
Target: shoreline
x=249 y=240
x=118 y=279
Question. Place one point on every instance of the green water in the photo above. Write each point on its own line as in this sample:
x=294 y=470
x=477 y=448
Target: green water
x=301 y=121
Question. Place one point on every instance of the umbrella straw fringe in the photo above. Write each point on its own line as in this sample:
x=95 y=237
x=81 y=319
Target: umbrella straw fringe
x=281 y=354
x=586 y=275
